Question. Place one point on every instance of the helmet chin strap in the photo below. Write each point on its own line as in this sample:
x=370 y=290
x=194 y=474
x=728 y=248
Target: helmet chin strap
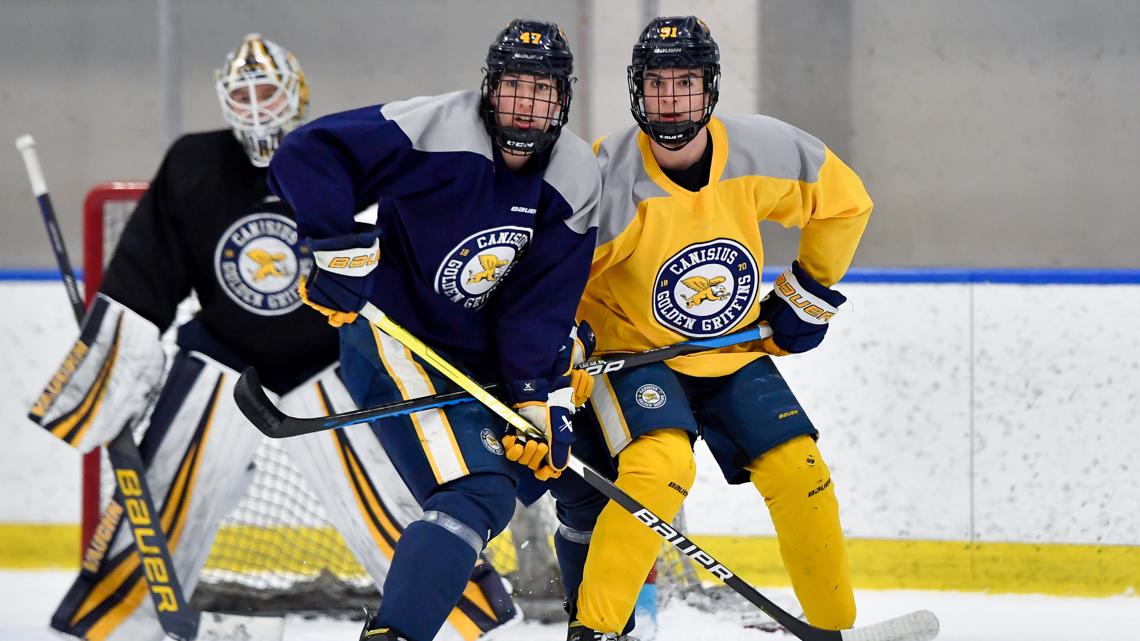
x=674 y=136
x=520 y=142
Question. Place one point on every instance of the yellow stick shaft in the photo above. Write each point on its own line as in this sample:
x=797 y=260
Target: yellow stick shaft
x=417 y=347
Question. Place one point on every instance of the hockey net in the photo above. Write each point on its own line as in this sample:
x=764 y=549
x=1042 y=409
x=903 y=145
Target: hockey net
x=276 y=551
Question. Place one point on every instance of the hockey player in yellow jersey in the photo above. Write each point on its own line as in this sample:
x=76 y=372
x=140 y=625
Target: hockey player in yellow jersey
x=679 y=256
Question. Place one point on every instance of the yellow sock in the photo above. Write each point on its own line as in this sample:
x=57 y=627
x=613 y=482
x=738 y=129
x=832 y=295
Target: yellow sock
x=657 y=469
x=797 y=487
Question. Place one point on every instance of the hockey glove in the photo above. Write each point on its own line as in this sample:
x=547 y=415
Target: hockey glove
x=797 y=309
x=106 y=381
x=571 y=389
x=337 y=285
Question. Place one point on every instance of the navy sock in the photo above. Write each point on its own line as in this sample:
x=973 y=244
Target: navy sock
x=428 y=574
x=571 y=563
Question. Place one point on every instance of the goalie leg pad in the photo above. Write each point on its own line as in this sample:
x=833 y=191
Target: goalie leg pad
x=657 y=469
x=796 y=485
x=198 y=449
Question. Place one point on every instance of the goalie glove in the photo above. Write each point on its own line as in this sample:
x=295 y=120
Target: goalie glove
x=106 y=382
x=548 y=457
x=337 y=284
x=797 y=309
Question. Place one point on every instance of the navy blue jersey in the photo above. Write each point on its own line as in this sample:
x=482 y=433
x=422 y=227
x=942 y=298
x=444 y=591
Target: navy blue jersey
x=482 y=261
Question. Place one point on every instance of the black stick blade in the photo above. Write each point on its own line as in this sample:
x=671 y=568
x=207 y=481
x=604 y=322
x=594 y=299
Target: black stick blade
x=255 y=405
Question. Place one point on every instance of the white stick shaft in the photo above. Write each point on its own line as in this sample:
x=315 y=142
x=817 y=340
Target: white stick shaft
x=27 y=146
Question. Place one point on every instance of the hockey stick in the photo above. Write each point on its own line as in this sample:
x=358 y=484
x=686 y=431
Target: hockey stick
x=276 y=424
x=916 y=626
x=132 y=490
x=112 y=517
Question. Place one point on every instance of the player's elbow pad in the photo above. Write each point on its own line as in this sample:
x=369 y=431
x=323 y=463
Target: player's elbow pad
x=106 y=381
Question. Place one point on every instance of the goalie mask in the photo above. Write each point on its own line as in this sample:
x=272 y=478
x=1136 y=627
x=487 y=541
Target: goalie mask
x=674 y=79
x=526 y=86
x=263 y=94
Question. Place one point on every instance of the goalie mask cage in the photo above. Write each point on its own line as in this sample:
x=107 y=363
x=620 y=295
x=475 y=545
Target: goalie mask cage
x=276 y=551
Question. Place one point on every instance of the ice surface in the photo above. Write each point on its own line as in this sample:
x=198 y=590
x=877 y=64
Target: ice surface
x=28 y=598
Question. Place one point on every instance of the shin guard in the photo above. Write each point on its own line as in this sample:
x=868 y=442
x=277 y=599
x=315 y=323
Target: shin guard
x=657 y=469
x=796 y=486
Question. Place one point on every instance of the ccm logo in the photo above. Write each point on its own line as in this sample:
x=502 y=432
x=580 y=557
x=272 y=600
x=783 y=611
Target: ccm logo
x=687 y=547
x=352 y=262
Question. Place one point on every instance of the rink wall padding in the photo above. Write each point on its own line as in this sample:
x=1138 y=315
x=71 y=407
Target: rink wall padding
x=981 y=427
x=886 y=564
x=876 y=564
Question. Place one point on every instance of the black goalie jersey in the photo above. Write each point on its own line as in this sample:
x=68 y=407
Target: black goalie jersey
x=209 y=224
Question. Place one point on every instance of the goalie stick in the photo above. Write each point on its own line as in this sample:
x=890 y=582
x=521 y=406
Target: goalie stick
x=132 y=491
x=276 y=424
x=915 y=626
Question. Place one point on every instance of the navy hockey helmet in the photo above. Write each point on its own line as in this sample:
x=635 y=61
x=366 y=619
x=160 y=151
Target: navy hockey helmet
x=540 y=108
x=679 y=42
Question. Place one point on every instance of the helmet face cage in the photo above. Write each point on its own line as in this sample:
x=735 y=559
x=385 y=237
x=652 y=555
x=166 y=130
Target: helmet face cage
x=263 y=95
x=526 y=87
x=674 y=80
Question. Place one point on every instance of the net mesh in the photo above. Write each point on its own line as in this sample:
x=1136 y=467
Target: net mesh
x=276 y=551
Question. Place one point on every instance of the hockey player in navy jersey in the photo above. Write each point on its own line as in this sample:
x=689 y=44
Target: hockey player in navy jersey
x=209 y=225
x=480 y=248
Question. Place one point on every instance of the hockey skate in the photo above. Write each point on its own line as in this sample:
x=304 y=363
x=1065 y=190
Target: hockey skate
x=579 y=632
x=379 y=634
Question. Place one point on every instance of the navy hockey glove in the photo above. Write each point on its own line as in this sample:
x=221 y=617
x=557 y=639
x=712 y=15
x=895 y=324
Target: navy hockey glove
x=337 y=284
x=797 y=309
x=550 y=411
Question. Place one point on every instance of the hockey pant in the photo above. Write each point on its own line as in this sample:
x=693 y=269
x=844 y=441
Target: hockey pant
x=199 y=450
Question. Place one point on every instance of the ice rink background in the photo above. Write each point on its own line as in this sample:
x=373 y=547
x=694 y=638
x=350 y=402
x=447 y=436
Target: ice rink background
x=989 y=133
x=952 y=412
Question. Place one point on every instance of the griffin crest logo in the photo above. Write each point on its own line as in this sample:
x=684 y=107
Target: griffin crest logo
x=706 y=289
x=492 y=269
x=267 y=264
x=472 y=270
x=650 y=396
x=258 y=261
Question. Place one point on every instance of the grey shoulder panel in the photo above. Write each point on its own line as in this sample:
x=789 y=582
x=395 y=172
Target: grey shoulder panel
x=765 y=146
x=447 y=122
x=624 y=183
x=573 y=173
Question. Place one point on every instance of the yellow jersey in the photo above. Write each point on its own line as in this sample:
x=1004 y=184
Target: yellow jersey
x=673 y=265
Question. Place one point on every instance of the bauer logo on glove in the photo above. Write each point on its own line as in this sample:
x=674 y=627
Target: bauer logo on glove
x=353 y=262
x=798 y=310
x=337 y=285
x=789 y=289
